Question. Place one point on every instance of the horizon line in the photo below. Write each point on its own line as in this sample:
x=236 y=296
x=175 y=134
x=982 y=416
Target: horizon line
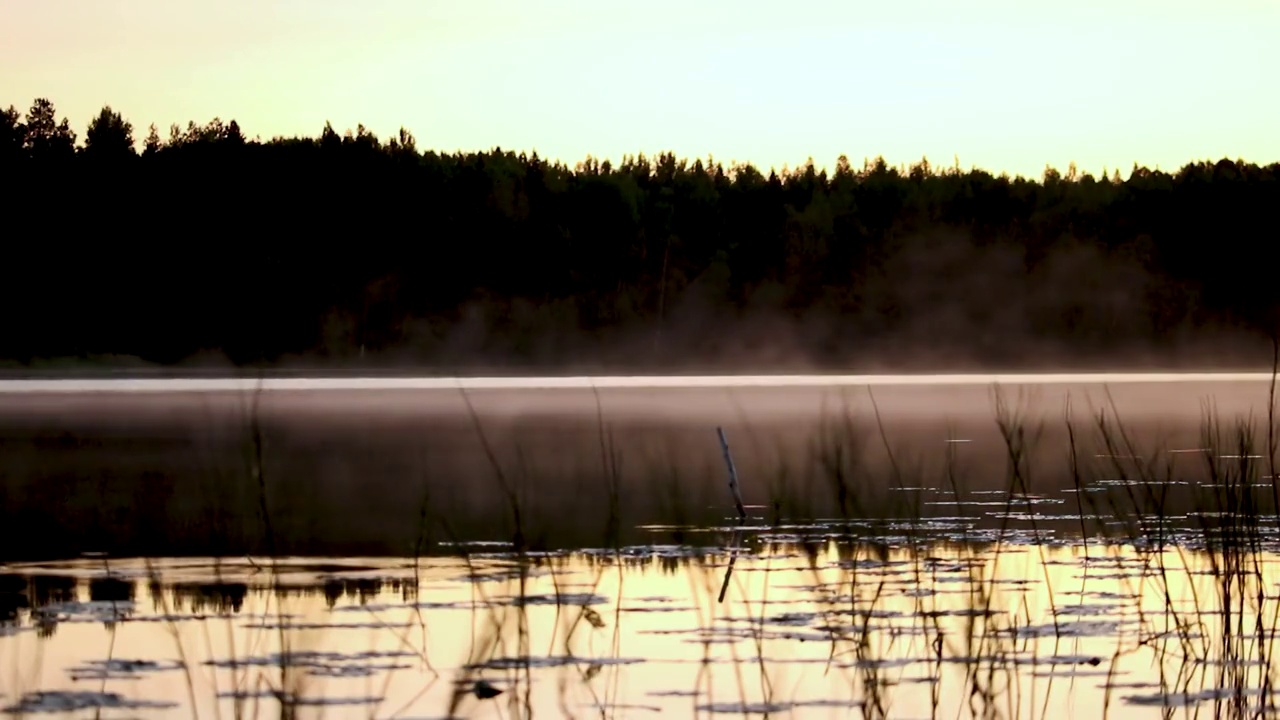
x=1107 y=171
x=71 y=385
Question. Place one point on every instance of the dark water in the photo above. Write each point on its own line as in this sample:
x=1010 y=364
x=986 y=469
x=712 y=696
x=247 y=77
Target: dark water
x=913 y=548
x=393 y=466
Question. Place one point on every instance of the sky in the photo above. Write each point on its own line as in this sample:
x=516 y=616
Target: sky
x=1005 y=85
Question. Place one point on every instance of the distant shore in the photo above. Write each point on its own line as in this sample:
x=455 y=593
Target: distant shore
x=59 y=370
x=652 y=384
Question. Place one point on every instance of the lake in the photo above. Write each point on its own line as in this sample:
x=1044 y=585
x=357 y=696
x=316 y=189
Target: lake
x=993 y=546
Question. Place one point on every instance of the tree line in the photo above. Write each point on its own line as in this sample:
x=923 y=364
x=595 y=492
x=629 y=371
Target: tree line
x=349 y=250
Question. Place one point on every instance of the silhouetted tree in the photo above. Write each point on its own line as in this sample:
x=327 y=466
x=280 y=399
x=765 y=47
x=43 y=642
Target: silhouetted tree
x=109 y=137
x=345 y=248
x=329 y=139
x=45 y=138
x=12 y=137
x=153 y=142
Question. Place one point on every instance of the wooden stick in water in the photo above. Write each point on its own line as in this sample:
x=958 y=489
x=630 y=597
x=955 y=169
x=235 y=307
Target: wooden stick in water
x=742 y=512
x=733 y=475
x=734 y=544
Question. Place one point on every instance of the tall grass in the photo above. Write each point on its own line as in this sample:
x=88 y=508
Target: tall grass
x=855 y=499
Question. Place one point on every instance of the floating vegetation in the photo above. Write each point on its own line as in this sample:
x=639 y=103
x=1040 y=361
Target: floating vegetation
x=119 y=669
x=324 y=664
x=62 y=701
x=295 y=701
x=1137 y=585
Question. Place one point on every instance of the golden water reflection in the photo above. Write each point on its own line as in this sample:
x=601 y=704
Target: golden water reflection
x=960 y=630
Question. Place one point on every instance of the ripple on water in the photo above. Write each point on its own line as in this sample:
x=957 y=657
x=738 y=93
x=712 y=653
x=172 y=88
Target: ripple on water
x=585 y=630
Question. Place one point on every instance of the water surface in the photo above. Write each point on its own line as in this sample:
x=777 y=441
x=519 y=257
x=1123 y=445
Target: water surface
x=915 y=547
x=354 y=465
x=817 y=629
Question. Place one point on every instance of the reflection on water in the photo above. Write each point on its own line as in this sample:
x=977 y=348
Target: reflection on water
x=954 y=581
x=795 y=620
x=358 y=466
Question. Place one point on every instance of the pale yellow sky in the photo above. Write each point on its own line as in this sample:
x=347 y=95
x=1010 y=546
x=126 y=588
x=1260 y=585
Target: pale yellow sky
x=1004 y=84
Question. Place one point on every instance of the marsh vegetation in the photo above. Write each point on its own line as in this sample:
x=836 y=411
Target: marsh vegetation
x=1056 y=566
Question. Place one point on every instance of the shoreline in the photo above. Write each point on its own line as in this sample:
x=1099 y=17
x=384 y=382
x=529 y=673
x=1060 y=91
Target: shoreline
x=46 y=384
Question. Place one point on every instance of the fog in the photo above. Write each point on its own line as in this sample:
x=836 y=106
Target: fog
x=355 y=456
x=900 y=405
x=937 y=300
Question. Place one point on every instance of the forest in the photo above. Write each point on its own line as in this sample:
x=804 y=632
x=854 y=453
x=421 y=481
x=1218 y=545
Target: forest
x=203 y=247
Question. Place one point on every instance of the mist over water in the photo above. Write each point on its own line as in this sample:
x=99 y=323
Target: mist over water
x=1177 y=400
x=184 y=385
x=344 y=460
x=572 y=542
x=306 y=523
